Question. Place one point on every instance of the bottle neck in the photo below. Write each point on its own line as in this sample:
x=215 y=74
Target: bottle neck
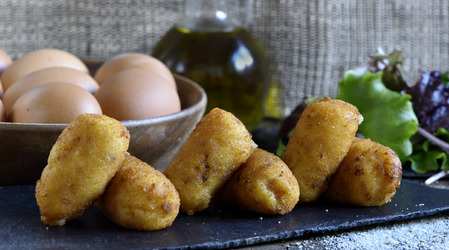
x=211 y=15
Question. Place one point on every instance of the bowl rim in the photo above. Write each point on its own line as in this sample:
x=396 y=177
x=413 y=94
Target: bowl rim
x=128 y=123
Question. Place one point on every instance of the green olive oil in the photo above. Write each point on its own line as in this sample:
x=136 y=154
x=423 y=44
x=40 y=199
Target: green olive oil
x=229 y=64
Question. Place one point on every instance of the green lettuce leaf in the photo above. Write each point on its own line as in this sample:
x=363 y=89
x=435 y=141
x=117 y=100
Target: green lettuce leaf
x=428 y=157
x=389 y=118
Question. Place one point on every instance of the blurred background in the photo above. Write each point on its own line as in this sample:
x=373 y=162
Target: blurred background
x=310 y=43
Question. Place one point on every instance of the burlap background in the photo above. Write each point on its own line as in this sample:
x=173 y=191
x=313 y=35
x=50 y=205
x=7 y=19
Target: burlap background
x=312 y=43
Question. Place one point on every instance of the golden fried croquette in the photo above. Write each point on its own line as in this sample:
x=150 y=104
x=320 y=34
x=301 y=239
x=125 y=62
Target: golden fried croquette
x=369 y=175
x=319 y=142
x=262 y=184
x=83 y=160
x=140 y=197
x=218 y=145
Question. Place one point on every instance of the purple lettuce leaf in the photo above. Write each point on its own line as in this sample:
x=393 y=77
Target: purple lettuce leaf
x=430 y=98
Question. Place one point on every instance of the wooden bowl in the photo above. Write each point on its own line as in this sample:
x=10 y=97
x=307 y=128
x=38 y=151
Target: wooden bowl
x=24 y=148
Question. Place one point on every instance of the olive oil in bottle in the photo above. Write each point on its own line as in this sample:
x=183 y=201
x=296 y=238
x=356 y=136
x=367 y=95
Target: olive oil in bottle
x=224 y=58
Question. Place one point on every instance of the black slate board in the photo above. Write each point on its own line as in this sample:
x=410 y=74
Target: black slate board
x=218 y=227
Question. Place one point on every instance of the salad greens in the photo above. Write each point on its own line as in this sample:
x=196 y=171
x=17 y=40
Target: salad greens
x=391 y=66
x=430 y=96
x=428 y=157
x=388 y=116
x=427 y=99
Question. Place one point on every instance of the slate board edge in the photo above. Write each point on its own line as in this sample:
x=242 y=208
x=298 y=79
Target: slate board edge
x=246 y=242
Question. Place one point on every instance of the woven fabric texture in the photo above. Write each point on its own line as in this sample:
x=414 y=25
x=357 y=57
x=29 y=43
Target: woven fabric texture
x=311 y=43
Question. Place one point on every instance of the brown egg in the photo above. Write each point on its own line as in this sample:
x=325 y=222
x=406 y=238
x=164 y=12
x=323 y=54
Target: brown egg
x=126 y=61
x=1 y=90
x=2 y=112
x=137 y=94
x=5 y=60
x=158 y=67
x=58 y=102
x=45 y=76
x=40 y=59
